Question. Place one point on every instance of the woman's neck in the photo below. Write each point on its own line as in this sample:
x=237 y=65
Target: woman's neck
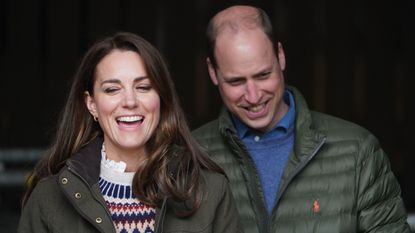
x=132 y=158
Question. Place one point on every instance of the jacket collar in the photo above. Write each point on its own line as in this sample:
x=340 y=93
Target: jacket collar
x=307 y=137
x=86 y=162
x=225 y=121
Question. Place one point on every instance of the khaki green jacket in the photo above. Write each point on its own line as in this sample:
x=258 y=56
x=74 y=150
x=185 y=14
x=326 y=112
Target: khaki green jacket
x=337 y=179
x=71 y=202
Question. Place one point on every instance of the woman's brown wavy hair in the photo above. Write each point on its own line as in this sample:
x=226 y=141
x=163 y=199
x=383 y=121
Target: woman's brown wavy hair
x=171 y=143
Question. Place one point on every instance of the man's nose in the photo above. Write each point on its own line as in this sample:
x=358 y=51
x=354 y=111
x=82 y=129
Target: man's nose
x=252 y=93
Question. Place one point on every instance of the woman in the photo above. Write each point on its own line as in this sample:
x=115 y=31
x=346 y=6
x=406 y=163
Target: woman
x=123 y=159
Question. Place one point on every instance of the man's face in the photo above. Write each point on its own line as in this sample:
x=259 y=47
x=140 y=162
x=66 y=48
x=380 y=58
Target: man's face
x=250 y=78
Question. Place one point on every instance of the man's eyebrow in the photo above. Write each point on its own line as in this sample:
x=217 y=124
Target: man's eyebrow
x=256 y=75
x=264 y=71
x=232 y=78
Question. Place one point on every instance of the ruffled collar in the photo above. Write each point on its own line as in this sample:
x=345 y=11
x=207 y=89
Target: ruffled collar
x=111 y=164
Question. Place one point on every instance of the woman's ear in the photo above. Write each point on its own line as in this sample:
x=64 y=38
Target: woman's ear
x=90 y=104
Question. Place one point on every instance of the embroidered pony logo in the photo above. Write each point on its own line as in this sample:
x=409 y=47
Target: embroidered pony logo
x=316 y=206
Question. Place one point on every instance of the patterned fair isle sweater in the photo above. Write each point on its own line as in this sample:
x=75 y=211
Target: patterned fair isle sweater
x=128 y=213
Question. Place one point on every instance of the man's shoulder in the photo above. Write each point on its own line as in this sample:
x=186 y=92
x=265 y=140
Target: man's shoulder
x=337 y=127
x=207 y=130
x=214 y=179
x=209 y=136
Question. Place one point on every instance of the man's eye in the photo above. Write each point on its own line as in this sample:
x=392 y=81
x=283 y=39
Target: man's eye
x=265 y=74
x=235 y=82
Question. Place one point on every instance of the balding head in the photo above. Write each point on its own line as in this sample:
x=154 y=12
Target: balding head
x=233 y=20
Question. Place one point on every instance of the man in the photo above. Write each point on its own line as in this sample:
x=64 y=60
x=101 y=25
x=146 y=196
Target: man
x=290 y=169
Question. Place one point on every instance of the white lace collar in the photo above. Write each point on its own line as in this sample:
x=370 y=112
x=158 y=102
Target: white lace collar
x=111 y=164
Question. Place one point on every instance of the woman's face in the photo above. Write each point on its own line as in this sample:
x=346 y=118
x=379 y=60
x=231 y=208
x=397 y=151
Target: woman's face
x=125 y=102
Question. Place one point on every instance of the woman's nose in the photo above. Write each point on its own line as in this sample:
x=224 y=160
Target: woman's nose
x=129 y=99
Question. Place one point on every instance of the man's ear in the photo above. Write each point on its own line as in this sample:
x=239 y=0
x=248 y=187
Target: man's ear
x=281 y=56
x=90 y=104
x=212 y=72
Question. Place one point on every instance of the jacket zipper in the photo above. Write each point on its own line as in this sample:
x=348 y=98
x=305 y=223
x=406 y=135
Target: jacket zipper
x=295 y=173
x=90 y=190
x=265 y=219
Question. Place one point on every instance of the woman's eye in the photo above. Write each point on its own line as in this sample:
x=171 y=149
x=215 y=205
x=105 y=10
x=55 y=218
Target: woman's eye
x=110 y=90
x=143 y=88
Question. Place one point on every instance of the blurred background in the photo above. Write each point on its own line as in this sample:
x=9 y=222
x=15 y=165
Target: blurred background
x=353 y=59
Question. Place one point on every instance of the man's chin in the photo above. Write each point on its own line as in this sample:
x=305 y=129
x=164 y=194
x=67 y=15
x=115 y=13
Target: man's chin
x=259 y=124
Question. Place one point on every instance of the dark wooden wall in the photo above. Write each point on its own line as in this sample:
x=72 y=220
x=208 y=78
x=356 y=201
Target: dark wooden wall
x=353 y=59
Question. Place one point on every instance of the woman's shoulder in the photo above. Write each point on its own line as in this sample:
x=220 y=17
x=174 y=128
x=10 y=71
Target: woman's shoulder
x=45 y=192
x=46 y=185
x=48 y=188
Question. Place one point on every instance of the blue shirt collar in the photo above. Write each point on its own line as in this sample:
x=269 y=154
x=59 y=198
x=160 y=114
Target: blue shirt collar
x=283 y=125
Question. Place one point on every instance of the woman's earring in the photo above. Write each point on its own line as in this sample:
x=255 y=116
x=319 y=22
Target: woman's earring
x=95 y=118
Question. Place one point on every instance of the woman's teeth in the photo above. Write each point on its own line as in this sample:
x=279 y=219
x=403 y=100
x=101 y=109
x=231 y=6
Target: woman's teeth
x=130 y=118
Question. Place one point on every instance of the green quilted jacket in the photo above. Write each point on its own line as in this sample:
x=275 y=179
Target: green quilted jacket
x=337 y=179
